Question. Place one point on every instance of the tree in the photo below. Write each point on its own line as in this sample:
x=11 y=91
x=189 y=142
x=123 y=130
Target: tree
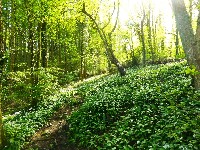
x=1 y=75
x=143 y=38
x=177 y=43
x=107 y=40
x=190 y=41
x=43 y=29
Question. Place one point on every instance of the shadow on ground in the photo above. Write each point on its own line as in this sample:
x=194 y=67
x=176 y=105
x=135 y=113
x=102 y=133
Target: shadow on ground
x=54 y=135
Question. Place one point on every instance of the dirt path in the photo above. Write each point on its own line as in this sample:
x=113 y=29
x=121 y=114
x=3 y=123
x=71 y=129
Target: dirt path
x=53 y=136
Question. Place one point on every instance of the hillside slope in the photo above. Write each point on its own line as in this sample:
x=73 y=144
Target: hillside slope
x=151 y=108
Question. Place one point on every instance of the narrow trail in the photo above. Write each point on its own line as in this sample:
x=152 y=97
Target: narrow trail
x=54 y=135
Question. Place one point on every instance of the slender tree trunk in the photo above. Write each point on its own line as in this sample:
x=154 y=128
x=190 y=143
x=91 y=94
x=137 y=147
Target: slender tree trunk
x=143 y=44
x=142 y=37
x=44 y=45
x=2 y=138
x=31 y=30
x=162 y=44
x=5 y=28
x=58 y=44
x=66 y=64
x=39 y=49
x=155 y=41
x=177 y=43
x=31 y=49
x=98 y=62
x=22 y=49
x=12 y=41
x=51 y=50
x=150 y=25
x=81 y=48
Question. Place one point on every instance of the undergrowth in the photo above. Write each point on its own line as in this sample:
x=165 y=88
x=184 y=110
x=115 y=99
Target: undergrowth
x=20 y=126
x=150 y=108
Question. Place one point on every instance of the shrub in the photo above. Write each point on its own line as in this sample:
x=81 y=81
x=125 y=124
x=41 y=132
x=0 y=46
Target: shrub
x=17 y=91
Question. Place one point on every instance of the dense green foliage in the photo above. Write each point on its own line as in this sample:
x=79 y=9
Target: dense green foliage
x=18 y=93
x=22 y=125
x=22 y=120
x=151 y=108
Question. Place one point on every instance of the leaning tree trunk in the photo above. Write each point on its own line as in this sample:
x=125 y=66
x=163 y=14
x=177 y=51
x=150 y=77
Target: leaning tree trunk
x=115 y=61
x=190 y=42
x=107 y=41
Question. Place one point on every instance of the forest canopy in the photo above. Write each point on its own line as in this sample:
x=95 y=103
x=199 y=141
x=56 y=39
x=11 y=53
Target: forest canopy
x=57 y=34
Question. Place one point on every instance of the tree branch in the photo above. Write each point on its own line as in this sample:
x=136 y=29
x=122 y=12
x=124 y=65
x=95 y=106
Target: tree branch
x=116 y=20
x=109 y=19
x=101 y=33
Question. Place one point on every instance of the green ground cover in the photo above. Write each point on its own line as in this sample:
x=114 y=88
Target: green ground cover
x=151 y=108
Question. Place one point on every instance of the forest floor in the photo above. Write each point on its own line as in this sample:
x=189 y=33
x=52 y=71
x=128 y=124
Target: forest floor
x=54 y=135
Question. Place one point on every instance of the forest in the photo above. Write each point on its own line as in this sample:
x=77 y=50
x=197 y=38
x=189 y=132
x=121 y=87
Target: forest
x=99 y=74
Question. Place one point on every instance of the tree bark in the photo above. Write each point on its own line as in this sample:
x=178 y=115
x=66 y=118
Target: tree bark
x=184 y=28
x=196 y=54
x=190 y=42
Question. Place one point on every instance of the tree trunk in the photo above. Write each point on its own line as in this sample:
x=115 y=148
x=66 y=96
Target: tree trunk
x=143 y=44
x=33 y=67
x=2 y=138
x=44 y=45
x=196 y=54
x=81 y=47
x=184 y=27
x=107 y=41
x=149 y=26
x=58 y=46
x=12 y=40
x=190 y=42
x=31 y=48
x=1 y=124
x=115 y=61
x=177 y=44
x=39 y=45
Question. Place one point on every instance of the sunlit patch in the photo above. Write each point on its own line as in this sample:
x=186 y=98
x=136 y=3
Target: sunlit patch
x=132 y=9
